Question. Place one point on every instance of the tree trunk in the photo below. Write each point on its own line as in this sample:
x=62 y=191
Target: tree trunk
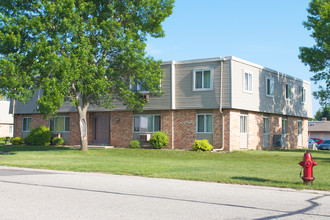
x=82 y=111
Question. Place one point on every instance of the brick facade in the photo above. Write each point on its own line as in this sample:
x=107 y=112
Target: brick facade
x=180 y=126
x=121 y=128
x=185 y=129
x=74 y=135
x=167 y=126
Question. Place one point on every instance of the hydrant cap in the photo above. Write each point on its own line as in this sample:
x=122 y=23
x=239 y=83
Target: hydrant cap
x=308 y=157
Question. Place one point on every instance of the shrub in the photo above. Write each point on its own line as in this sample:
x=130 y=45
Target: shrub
x=159 y=139
x=39 y=136
x=57 y=141
x=134 y=144
x=202 y=145
x=17 y=141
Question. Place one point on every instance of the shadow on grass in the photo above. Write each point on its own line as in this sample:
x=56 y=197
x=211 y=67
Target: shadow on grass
x=15 y=148
x=256 y=179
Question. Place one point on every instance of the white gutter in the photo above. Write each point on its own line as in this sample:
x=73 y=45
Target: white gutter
x=173 y=100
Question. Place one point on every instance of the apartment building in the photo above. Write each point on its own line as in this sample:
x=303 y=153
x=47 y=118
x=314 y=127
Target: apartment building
x=233 y=103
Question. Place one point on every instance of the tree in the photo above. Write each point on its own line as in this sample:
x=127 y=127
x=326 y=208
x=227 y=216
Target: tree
x=321 y=113
x=89 y=52
x=318 y=56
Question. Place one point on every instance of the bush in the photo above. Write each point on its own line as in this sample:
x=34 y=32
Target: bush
x=202 y=145
x=134 y=144
x=17 y=141
x=57 y=141
x=159 y=139
x=39 y=136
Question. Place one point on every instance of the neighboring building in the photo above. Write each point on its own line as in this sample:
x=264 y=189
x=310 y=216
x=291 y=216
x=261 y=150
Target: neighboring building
x=6 y=119
x=231 y=102
x=319 y=129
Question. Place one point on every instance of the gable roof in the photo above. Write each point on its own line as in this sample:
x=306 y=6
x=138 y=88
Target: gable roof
x=323 y=126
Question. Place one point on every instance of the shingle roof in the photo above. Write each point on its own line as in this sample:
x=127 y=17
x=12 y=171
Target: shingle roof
x=320 y=126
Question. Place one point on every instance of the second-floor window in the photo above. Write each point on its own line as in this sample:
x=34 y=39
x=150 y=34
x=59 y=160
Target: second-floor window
x=303 y=94
x=248 y=79
x=138 y=87
x=269 y=87
x=288 y=91
x=26 y=124
x=203 y=79
x=61 y=123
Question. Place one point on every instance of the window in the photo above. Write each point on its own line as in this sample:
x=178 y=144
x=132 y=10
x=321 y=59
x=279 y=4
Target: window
x=266 y=125
x=248 y=85
x=138 y=87
x=269 y=87
x=284 y=126
x=299 y=127
x=10 y=129
x=61 y=123
x=288 y=91
x=243 y=124
x=203 y=79
x=303 y=94
x=147 y=123
x=204 y=123
x=27 y=124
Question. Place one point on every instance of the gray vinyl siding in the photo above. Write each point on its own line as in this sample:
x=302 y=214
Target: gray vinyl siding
x=258 y=100
x=28 y=108
x=226 y=85
x=155 y=103
x=186 y=98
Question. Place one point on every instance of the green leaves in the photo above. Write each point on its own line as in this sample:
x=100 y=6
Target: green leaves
x=88 y=50
x=318 y=56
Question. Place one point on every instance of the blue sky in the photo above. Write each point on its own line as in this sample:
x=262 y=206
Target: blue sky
x=265 y=32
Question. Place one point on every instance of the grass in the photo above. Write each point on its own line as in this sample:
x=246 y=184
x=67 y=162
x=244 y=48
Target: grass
x=266 y=168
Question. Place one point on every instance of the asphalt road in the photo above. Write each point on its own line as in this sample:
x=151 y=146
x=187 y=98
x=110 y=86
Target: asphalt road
x=44 y=194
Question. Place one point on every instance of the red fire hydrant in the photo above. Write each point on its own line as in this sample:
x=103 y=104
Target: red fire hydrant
x=308 y=164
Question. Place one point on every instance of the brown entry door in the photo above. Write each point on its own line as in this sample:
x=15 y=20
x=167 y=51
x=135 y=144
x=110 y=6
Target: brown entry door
x=101 y=126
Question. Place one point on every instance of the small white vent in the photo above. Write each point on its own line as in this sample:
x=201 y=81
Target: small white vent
x=144 y=137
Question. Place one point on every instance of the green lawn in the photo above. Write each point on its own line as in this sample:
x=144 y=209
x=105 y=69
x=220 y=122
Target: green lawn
x=268 y=168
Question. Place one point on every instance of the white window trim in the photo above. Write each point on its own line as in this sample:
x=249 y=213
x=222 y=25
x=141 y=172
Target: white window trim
x=291 y=93
x=303 y=94
x=272 y=80
x=268 y=125
x=251 y=73
x=64 y=124
x=153 y=129
x=205 y=132
x=300 y=121
x=139 y=87
x=23 y=123
x=247 y=123
x=286 y=126
x=211 y=80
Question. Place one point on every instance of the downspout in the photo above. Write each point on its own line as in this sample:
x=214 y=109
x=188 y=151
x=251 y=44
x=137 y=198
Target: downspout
x=222 y=117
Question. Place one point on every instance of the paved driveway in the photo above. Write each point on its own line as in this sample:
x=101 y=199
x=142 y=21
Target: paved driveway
x=44 y=194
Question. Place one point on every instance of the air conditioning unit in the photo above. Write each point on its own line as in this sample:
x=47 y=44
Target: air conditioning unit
x=144 y=137
x=277 y=140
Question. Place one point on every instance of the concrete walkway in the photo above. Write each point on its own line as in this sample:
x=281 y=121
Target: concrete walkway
x=44 y=194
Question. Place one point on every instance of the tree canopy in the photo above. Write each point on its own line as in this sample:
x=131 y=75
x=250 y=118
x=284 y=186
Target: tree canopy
x=89 y=52
x=318 y=56
x=321 y=113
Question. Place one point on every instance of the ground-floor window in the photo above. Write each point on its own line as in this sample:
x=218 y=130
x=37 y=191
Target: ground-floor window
x=243 y=123
x=61 y=123
x=204 y=123
x=26 y=123
x=266 y=125
x=147 y=123
x=284 y=126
